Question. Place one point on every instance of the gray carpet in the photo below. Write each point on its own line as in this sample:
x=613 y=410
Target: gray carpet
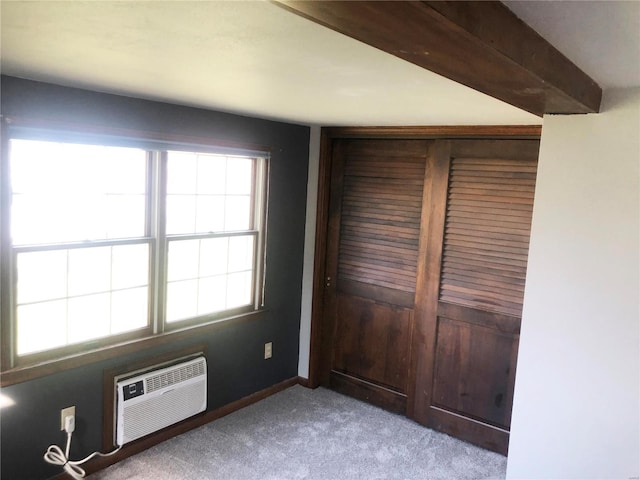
x=310 y=434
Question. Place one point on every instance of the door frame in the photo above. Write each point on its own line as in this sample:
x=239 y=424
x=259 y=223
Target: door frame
x=321 y=335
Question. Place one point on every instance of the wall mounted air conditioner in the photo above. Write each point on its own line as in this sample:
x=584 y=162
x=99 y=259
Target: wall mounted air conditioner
x=159 y=397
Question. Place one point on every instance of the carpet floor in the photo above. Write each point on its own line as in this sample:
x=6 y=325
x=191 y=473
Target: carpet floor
x=312 y=435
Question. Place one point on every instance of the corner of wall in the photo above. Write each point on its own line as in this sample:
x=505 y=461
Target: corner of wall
x=309 y=250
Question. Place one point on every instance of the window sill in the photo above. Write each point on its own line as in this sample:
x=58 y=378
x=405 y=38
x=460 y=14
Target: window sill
x=42 y=369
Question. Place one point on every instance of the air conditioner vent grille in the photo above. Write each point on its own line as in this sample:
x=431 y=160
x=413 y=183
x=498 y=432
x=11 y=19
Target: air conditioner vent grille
x=174 y=376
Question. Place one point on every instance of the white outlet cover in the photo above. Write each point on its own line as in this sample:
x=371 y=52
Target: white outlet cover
x=66 y=412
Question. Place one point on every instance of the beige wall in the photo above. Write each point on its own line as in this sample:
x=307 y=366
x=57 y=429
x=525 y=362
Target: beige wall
x=576 y=407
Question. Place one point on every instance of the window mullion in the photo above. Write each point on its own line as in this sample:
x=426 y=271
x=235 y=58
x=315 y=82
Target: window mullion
x=160 y=250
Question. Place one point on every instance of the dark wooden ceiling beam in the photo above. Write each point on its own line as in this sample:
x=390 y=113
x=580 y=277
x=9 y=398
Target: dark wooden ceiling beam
x=479 y=44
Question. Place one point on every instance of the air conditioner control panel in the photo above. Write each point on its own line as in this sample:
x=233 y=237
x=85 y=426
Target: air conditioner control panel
x=133 y=390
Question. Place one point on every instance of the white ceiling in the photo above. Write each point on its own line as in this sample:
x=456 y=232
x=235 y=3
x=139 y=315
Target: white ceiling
x=257 y=59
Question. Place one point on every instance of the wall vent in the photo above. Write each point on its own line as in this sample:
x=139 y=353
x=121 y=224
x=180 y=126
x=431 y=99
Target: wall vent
x=160 y=397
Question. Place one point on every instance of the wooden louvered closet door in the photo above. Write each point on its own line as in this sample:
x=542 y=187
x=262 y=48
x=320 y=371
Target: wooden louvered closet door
x=426 y=254
x=475 y=320
x=372 y=255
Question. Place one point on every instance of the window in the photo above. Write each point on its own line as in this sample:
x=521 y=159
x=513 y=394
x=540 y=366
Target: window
x=210 y=235
x=109 y=242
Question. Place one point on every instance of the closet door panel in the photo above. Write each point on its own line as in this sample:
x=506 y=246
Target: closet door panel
x=485 y=243
x=373 y=251
x=374 y=342
x=473 y=371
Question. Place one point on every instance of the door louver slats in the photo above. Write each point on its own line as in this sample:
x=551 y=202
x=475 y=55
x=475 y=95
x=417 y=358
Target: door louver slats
x=486 y=240
x=380 y=223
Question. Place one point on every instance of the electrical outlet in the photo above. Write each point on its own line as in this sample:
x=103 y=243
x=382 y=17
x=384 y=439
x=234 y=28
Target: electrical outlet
x=66 y=412
x=268 y=350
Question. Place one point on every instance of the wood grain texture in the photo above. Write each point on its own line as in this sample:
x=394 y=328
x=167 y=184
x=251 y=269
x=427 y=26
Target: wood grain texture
x=432 y=132
x=321 y=324
x=486 y=240
x=505 y=148
x=479 y=44
x=380 y=212
x=424 y=330
x=319 y=351
x=485 y=248
x=473 y=372
x=479 y=433
x=374 y=342
x=501 y=323
x=330 y=267
x=372 y=256
x=473 y=350
x=368 y=392
x=380 y=294
x=495 y=25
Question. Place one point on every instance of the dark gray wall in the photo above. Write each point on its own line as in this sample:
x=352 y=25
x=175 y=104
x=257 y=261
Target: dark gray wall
x=235 y=352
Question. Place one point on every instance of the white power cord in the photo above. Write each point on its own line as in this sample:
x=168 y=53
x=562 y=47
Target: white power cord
x=55 y=456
